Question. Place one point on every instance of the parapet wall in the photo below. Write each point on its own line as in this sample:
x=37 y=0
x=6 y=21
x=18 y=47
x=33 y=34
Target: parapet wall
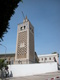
x=20 y=70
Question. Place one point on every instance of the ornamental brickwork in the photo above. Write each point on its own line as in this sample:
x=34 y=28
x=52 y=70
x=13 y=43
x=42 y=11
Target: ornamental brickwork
x=22 y=45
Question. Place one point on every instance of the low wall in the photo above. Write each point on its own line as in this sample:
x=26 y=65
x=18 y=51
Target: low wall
x=19 y=70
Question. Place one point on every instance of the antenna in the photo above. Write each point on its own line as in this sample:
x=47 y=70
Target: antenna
x=23 y=15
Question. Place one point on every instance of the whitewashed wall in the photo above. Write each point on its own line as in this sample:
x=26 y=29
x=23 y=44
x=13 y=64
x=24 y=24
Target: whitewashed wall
x=31 y=69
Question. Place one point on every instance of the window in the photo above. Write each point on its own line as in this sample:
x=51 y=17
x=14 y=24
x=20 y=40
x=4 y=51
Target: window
x=49 y=58
x=12 y=62
x=45 y=58
x=24 y=27
x=21 y=28
x=30 y=28
x=42 y=59
x=54 y=59
x=7 y=62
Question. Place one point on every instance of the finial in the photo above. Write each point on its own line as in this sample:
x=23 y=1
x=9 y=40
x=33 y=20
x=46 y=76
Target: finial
x=26 y=17
x=25 y=20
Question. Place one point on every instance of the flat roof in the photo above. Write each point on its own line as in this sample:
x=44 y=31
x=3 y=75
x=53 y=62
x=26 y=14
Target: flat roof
x=7 y=54
x=46 y=55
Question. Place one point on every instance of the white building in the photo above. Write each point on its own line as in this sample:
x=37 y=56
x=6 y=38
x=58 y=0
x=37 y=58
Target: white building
x=48 y=58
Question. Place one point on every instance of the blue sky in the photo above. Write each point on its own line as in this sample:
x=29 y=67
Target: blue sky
x=45 y=17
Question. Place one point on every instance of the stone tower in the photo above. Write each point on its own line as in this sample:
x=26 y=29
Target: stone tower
x=25 y=43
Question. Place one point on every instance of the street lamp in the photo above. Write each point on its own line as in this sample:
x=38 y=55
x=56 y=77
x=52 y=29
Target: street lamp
x=5 y=49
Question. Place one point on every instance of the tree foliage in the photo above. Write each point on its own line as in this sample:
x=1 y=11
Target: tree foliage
x=7 y=8
x=55 y=53
x=2 y=63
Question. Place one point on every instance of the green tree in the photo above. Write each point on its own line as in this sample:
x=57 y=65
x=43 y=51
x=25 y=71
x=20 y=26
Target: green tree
x=7 y=8
x=55 y=53
x=2 y=63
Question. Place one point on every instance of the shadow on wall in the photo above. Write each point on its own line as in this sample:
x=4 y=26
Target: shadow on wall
x=11 y=75
x=58 y=67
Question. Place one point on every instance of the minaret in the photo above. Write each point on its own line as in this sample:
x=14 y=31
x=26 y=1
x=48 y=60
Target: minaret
x=25 y=43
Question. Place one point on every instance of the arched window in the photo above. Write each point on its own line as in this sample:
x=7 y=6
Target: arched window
x=45 y=58
x=54 y=59
x=30 y=28
x=21 y=28
x=24 y=27
x=50 y=58
x=42 y=59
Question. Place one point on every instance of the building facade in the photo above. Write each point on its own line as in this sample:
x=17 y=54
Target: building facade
x=9 y=57
x=48 y=58
x=25 y=43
